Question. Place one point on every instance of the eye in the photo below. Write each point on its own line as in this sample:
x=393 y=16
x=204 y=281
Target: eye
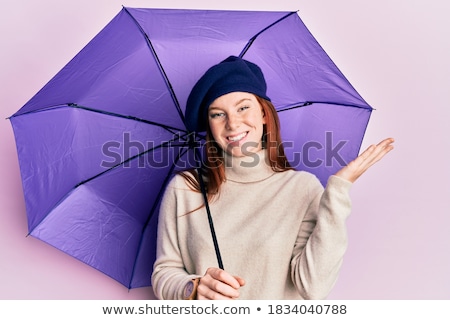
x=243 y=108
x=215 y=115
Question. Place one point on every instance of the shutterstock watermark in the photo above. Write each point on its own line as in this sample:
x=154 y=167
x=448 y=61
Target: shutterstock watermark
x=310 y=154
x=331 y=152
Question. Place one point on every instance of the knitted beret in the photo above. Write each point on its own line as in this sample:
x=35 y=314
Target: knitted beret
x=231 y=75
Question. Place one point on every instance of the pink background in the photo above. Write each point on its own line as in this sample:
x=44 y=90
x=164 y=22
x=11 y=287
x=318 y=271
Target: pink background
x=395 y=53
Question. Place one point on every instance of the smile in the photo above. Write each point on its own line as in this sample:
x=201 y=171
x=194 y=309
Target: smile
x=238 y=137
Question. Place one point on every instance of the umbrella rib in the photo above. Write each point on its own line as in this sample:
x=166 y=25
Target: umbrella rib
x=161 y=190
x=171 y=129
x=308 y=103
x=103 y=172
x=113 y=114
x=250 y=42
x=153 y=209
x=161 y=69
x=166 y=143
x=94 y=177
x=43 y=109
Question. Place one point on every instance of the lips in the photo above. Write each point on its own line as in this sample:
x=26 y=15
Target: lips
x=237 y=137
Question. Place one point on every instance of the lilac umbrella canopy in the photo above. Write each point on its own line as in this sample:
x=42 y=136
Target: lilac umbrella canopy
x=99 y=142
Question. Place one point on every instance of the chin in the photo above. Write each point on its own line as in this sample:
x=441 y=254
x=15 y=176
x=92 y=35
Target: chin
x=238 y=152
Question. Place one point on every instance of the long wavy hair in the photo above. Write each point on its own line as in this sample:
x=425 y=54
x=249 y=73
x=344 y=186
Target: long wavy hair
x=213 y=169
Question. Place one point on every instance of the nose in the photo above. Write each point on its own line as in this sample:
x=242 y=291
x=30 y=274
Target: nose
x=233 y=122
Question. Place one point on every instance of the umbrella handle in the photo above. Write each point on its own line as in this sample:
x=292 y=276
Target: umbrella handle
x=208 y=211
x=210 y=220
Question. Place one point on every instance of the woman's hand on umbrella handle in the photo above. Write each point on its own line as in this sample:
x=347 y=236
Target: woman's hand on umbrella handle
x=365 y=160
x=218 y=284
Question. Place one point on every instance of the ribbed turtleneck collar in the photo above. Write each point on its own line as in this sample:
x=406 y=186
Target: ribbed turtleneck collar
x=248 y=169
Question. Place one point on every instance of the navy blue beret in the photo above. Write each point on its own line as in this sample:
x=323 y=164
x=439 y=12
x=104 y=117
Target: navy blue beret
x=231 y=75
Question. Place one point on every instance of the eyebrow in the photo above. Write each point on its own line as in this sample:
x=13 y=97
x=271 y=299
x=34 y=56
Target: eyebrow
x=235 y=104
x=242 y=100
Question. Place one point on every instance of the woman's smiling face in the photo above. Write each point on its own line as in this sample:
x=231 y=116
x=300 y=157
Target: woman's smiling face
x=236 y=121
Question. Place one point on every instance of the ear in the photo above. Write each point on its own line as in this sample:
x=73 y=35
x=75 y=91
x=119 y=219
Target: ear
x=264 y=118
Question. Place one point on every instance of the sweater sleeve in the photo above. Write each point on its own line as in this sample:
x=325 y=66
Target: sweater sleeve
x=322 y=240
x=169 y=275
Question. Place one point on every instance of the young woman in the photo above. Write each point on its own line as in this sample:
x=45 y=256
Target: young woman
x=281 y=234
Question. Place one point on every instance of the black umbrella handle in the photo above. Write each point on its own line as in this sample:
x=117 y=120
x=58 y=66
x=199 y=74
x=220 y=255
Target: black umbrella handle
x=211 y=224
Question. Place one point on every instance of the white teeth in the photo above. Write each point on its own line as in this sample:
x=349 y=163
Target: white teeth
x=238 y=137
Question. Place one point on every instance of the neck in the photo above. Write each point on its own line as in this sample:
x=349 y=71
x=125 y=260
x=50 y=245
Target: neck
x=252 y=168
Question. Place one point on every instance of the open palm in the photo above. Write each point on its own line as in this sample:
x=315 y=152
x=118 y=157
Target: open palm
x=365 y=160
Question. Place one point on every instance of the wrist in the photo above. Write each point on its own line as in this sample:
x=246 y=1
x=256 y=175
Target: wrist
x=190 y=289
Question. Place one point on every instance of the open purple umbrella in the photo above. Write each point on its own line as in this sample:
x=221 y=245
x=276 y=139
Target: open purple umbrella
x=98 y=143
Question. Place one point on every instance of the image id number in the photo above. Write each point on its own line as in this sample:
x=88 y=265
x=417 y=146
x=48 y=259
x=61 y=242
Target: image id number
x=307 y=309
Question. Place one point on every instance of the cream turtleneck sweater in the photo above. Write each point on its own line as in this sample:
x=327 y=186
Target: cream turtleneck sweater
x=281 y=232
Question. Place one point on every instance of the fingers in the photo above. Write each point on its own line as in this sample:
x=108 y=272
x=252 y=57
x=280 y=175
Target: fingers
x=240 y=280
x=218 y=284
x=365 y=160
x=376 y=152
